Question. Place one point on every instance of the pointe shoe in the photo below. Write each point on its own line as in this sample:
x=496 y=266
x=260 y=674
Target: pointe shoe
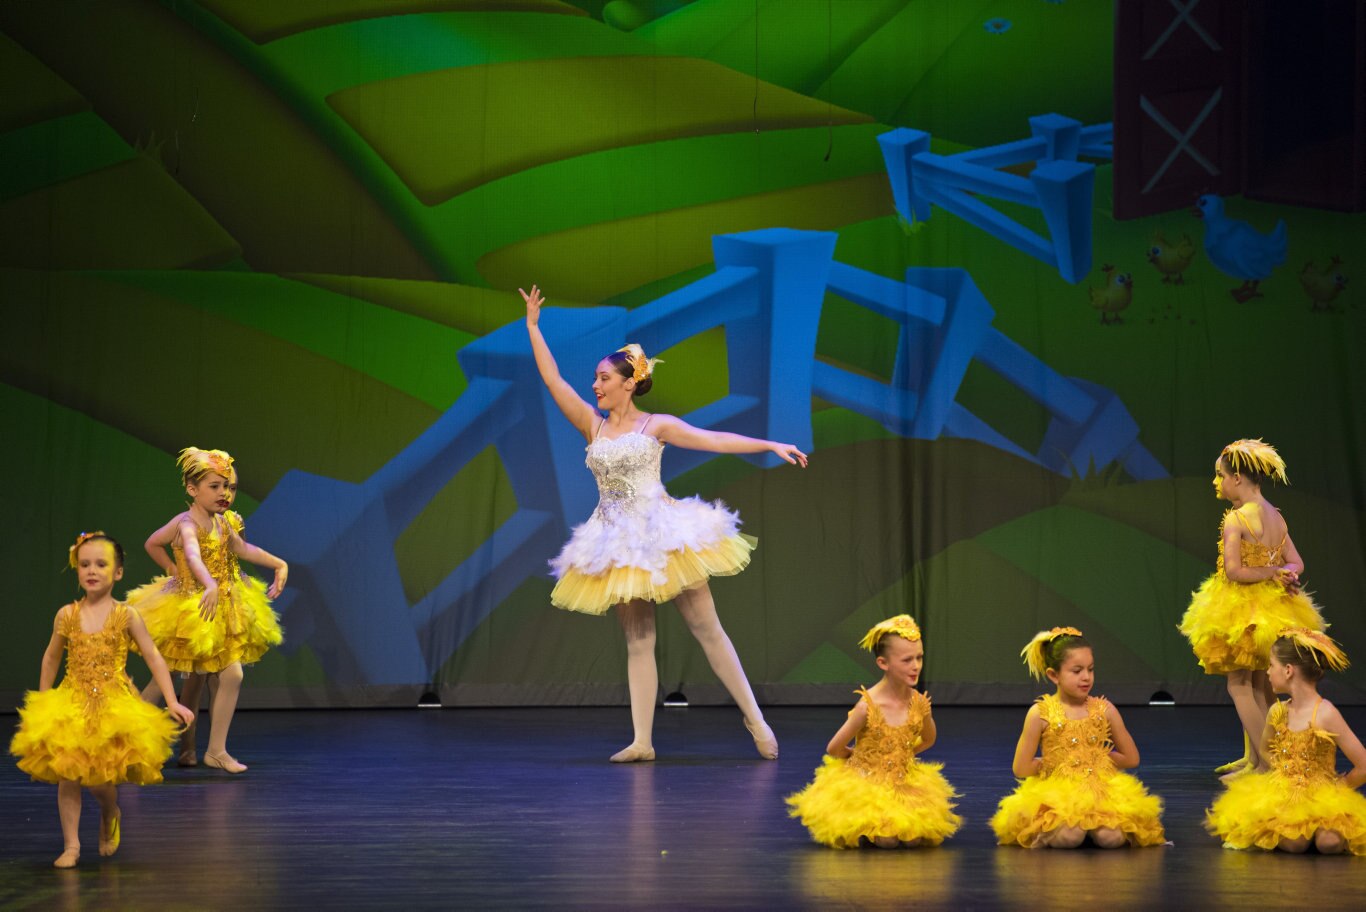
x=633 y=753
x=187 y=758
x=68 y=858
x=764 y=740
x=225 y=762
x=886 y=842
x=109 y=844
x=1237 y=773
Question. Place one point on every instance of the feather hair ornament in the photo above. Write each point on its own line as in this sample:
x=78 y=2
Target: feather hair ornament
x=1257 y=455
x=642 y=366
x=902 y=625
x=1324 y=649
x=1033 y=653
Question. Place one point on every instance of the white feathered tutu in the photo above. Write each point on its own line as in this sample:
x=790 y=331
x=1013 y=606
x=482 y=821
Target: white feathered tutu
x=640 y=543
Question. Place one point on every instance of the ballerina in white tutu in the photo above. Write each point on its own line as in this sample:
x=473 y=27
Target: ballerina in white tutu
x=641 y=547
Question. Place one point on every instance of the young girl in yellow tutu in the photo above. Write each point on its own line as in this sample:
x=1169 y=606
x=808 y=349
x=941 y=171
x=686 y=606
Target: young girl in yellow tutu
x=1075 y=789
x=877 y=792
x=206 y=616
x=1254 y=591
x=93 y=730
x=641 y=547
x=1298 y=799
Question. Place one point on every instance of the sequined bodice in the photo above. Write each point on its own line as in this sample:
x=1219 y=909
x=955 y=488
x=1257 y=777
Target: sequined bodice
x=1307 y=757
x=626 y=468
x=216 y=552
x=96 y=662
x=883 y=751
x=1253 y=553
x=1075 y=748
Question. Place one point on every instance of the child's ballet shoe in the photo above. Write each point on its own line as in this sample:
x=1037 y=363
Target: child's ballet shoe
x=1237 y=773
x=225 y=762
x=633 y=753
x=1231 y=767
x=886 y=842
x=187 y=758
x=764 y=740
x=110 y=835
x=68 y=858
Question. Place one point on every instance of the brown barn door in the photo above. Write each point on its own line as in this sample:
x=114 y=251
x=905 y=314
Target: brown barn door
x=1178 y=69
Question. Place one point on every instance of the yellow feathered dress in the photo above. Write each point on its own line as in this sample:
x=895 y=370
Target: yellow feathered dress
x=93 y=727
x=244 y=625
x=1078 y=785
x=881 y=790
x=1231 y=625
x=640 y=543
x=1300 y=795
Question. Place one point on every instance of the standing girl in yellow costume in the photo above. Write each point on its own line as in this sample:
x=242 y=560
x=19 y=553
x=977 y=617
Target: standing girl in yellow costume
x=1075 y=789
x=641 y=547
x=1298 y=799
x=1253 y=593
x=877 y=792
x=93 y=729
x=207 y=617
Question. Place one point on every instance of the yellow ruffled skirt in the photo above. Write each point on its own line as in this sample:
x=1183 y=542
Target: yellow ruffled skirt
x=1260 y=809
x=683 y=569
x=1042 y=804
x=122 y=739
x=243 y=627
x=1231 y=626
x=842 y=805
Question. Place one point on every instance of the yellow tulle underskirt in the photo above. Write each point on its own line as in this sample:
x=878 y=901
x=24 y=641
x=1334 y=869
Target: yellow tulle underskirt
x=842 y=805
x=1260 y=809
x=1042 y=804
x=1231 y=626
x=125 y=740
x=684 y=569
x=243 y=628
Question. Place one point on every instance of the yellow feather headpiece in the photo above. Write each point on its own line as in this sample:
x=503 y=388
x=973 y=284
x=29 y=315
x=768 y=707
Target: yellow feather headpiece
x=1257 y=455
x=80 y=540
x=1033 y=653
x=642 y=366
x=902 y=625
x=195 y=463
x=1320 y=644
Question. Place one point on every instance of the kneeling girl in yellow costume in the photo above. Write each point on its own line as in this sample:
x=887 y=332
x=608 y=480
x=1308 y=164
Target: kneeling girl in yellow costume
x=206 y=616
x=1298 y=799
x=93 y=729
x=1075 y=789
x=877 y=792
x=1254 y=591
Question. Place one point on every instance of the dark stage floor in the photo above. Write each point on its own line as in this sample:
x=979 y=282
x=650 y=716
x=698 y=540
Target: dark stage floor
x=477 y=809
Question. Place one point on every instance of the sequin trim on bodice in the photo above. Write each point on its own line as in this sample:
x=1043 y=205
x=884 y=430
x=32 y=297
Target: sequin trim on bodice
x=215 y=550
x=883 y=751
x=95 y=662
x=1075 y=748
x=1252 y=553
x=1306 y=758
x=627 y=470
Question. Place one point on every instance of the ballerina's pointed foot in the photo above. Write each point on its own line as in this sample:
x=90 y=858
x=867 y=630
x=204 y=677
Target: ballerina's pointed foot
x=633 y=753
x=764 y=740
x=187 y=758
x=70 y=855
x=225 y=762
x=110 y=834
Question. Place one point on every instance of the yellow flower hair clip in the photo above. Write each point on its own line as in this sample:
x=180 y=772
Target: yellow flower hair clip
x=1257 y=455
x=902 y=625
x=642 y=366
x=1320 y=644
x=1033 y=653
x=195 y=463
x=80 y=540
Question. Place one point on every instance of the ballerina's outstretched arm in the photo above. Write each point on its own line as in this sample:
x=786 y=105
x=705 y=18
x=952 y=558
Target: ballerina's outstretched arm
x=677 y=432
x=580 y=413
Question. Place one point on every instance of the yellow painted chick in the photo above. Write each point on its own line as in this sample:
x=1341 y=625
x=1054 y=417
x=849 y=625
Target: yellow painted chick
x=1115 y=296
x=1172 y=260
x=1325 y=285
